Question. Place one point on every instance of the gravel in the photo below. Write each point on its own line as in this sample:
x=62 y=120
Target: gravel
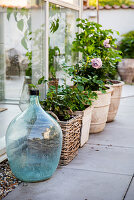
x=8 y=181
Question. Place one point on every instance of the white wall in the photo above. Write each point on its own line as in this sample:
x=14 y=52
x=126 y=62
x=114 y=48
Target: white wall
x=121 y=20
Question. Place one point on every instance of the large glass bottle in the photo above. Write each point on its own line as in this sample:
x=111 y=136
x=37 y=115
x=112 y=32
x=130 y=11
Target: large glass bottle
x=34 y=142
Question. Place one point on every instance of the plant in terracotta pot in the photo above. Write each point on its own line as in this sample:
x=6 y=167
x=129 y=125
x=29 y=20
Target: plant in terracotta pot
x=116 y=85
x=94 y=42
x=126 y=67
x=86 y=75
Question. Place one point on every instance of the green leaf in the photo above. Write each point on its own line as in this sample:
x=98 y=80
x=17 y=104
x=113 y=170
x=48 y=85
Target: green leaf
x=80 y=88
x=83 y=21
x=9 y=12
x=42 y=80
x=102 y=90
x=54 y=25
x=32 y=86
x=117 y=32
x=20 y=24
x=29 y=24
x=15 y=16
x=24 y=44
x=78 y=19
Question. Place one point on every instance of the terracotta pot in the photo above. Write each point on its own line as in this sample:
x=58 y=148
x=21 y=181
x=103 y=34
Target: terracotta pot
x=115 y=99
x=126 y=70
x=86 y=120
x=100 y=111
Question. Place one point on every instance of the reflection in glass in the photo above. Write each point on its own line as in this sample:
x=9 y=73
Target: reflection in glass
x=61 y=35
x=22 y=34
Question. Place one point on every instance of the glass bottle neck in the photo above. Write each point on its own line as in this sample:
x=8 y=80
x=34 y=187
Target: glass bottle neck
x=34 y=100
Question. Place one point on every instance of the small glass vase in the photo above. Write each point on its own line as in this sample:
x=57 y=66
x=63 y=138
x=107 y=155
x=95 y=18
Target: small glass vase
x=25 y=94
x=34 y=143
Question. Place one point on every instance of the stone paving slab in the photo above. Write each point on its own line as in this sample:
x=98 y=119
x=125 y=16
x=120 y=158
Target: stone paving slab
x=123 y=122
x=104 y=159
x=121 y=137
x=130 y=193
x=69 y=184
x=127 y=90
x=127 y=103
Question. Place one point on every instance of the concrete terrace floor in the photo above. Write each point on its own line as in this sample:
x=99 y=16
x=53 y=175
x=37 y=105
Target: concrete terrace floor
x=103 y=169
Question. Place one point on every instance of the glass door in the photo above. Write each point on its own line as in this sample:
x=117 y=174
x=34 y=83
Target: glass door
x=22 y=54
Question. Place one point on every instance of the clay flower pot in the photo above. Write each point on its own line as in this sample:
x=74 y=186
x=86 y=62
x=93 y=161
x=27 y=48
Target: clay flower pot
x=126 y=70
x=100 y=111
x=86 y=120
x=115 y=99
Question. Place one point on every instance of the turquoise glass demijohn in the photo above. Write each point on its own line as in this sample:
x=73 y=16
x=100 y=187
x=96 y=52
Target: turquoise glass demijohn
x=33 y=142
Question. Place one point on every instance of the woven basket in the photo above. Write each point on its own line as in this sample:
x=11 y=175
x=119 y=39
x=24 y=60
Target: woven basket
x=71 y=138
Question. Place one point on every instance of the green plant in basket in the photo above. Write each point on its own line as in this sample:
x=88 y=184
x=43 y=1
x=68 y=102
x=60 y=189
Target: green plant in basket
x=64 y=100
x=95 y=43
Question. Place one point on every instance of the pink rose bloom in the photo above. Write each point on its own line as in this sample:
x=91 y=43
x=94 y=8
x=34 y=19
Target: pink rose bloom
x=96 y=63
x=106 y=43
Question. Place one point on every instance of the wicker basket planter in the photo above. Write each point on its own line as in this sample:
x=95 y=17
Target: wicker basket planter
x=126 y=70
x=86 y=121
x=100 y=111
x=115 y=99
x=71 y=138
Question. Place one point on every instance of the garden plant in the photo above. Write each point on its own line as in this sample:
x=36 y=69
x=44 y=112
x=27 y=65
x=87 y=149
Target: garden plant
x=64 y=100
x=98 y=65
x=127 y=45
x=126 y=67
x=98 y=48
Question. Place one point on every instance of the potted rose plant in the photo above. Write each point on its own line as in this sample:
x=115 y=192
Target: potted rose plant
x=98 y=47
x=86 y=75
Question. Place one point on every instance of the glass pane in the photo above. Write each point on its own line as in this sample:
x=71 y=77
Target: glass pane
x=62 y=23
x=22 y=53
